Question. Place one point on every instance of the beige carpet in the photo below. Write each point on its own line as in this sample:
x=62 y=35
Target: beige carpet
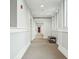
x=42 y=49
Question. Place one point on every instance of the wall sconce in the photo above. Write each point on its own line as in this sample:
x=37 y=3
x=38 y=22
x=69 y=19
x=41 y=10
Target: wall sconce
x=21 y=6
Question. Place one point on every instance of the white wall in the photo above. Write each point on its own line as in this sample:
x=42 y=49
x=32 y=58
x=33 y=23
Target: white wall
x=23 y=15
x=54 y=26
x=60 y=23
x=46 y=25
x=33 y=29
x=20 y=37
x=19 y=40
x=62 y=33
x=63 y=42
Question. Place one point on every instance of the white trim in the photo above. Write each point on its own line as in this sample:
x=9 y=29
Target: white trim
x=22 y=51
x=12 y=30
x=62 y=30
x=63 y=51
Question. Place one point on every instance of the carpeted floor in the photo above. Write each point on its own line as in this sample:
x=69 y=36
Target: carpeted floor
x=42 y=49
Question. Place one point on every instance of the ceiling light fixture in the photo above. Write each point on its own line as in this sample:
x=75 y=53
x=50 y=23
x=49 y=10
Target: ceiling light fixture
x=42 y=6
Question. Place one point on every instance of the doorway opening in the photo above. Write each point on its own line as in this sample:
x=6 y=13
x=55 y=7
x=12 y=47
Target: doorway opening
x=39 y=29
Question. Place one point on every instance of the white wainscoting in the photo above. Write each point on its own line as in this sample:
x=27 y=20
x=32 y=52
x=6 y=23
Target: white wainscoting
x=19 y=43
x=22 y=51
x=62 y=40
x=63 y=50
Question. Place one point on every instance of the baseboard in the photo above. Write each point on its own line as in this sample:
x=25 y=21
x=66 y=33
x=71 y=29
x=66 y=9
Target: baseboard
x=22 y=51
x=63 y=51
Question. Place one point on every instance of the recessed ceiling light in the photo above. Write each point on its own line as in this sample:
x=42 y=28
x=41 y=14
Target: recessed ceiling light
x=42 y=6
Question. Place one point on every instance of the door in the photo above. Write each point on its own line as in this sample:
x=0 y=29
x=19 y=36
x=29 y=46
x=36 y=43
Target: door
x=39 y=30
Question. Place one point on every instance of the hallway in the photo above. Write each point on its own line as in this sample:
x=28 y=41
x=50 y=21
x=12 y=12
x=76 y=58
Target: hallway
x=42 y=49
x=32 y=23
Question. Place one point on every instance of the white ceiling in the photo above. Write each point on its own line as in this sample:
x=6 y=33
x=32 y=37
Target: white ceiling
x=50 y=7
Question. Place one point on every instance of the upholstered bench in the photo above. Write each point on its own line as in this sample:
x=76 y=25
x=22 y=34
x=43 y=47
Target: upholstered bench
x=52 y=39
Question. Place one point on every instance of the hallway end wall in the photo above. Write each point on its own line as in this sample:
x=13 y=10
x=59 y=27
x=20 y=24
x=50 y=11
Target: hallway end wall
x=46 y=24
